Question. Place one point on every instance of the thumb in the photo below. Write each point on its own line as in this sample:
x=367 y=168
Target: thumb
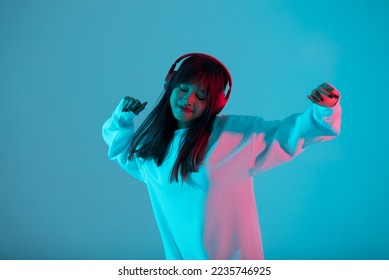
x=139 y=109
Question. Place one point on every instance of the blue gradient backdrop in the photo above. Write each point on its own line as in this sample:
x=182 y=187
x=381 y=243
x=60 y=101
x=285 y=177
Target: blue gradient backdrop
x=64 y=66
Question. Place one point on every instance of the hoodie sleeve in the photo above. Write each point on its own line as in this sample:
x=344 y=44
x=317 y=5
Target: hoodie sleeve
x=117 y=132
x=276 y=142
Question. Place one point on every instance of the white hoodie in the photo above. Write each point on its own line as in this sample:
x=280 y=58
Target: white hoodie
x=213 y=214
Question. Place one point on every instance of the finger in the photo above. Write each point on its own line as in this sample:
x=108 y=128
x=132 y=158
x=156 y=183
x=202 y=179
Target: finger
x=135 y=104
x=328 y=86
x=316 y=95
x=334 y=96
x=313 y=100
x=126 y=99
x=125 y=102
x=128 y=105
x=323 y=91
x=333 y=92
x=330 y=93
x=140 y=108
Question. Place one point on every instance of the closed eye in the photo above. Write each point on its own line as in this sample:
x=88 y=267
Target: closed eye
x=199 y=94
x=201 y=97
x=183 y=89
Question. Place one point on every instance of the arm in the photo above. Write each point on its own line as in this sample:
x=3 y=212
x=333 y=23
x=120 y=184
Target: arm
x=118 y=131
x=276 y=142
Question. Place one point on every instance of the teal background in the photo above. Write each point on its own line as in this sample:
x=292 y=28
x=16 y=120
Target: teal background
x=65 y=65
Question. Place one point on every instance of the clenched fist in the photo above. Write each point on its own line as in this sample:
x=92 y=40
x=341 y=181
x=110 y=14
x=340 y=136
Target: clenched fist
x=325 y=95
x=133 y=105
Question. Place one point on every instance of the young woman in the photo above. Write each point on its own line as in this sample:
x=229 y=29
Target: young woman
x=199 y=166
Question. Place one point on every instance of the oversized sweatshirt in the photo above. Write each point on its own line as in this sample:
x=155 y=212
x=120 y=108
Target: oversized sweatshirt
x=213 y=214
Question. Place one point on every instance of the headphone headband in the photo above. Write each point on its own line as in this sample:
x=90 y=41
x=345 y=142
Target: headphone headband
x=172 y=69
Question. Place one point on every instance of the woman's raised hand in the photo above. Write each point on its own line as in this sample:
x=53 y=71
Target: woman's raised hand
x=133 y=105
x=325 y=95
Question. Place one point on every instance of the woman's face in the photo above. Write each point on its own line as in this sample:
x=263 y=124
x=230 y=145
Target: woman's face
x=188 y=102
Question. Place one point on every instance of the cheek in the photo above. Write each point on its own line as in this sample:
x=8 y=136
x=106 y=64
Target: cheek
x=172 y=100
x=201 y=108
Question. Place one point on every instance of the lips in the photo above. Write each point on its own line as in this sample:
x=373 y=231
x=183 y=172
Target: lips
x=185 y=109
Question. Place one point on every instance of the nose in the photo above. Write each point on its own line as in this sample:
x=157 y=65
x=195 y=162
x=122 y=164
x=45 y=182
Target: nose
x=189 y=97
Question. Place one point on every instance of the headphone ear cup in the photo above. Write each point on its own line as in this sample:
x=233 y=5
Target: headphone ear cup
x=168 y=78
x=220 y=103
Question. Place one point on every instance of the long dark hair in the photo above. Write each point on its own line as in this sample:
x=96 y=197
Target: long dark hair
x=152 y=139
